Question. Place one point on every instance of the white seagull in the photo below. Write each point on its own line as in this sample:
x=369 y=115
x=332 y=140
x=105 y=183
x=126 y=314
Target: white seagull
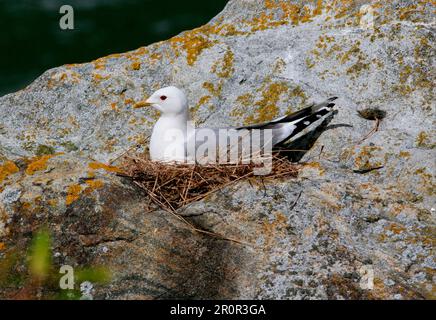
x=173 y=131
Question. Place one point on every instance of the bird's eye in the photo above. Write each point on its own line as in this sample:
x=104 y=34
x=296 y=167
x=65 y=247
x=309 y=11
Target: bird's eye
x=163 y=98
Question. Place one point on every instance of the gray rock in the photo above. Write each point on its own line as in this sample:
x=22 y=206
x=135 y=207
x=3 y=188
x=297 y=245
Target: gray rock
x=364 y=202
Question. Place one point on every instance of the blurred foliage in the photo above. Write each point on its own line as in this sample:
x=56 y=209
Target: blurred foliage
x=94 y=275
x=40 y=255
x=31 y=274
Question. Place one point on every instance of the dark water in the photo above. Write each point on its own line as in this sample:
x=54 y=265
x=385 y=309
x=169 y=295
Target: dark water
x=31 y=40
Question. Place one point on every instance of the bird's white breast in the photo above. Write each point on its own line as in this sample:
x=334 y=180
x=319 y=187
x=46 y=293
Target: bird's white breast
x=167 y=141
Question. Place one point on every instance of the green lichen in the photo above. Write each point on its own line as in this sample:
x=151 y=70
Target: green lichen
x=69 y=146
x=44 y=150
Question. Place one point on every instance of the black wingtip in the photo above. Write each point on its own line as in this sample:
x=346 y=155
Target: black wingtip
x=332 y=98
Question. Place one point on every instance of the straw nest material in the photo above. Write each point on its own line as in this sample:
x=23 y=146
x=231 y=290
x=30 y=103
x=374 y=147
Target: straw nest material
x=172 y=186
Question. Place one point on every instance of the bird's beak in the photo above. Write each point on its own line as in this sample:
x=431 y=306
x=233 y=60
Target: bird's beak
x=143 y=104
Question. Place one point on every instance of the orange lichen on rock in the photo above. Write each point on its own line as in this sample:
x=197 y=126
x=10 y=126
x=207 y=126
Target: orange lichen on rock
x=193 y=42
x=395 y=228
x=38 y=164
x=52 y=202
x=136 y=65
x=215 y=91
x=73 y=193
x=267 y=107
x=291 y=13
x=203 y=100
x=114 y=106
x=99 y=165
x=75 y=190
x=99 y=77
x=129 y=101
x=100 y=63
x=93 y=185
x=7 y=169
x=155 y=57
x=315 y=166
x=226 y=66
x=366 y=158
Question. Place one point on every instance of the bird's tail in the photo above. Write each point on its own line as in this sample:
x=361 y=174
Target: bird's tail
x=317 y=112
x=326 y=105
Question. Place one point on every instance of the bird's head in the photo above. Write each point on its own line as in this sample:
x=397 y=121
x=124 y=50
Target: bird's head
x=169 y=100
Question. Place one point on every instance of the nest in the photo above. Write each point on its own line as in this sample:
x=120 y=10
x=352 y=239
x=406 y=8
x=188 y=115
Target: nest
x=172 y=186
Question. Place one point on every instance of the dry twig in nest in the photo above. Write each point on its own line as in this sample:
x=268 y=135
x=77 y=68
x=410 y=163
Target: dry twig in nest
x=172 y=186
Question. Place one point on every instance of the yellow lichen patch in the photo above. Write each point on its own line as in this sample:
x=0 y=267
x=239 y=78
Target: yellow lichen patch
x=99 y=165
x=404 y=154
x=264 y=22
x=343 y=7
x=193 y=42
x=305 y=14
x=319 y=8
x=405 y=73
x=93 y=185
x=314 y=166
x=395 y=228
x=354 y=50
x=203 y=100
x=267 y=107
x=73 y=193
x=360 y=64
x=357 y=68
x=423 y=140
x=215 y=91
x=135 y=65
x=406 y=12
x=309 y=63
x=52 y=202
x=38 y=164
x=427 y=184
x=100 y=63
x=26 y=206
x=244 y=101
x=68 y=76
x=290 y=10
x=273 y=230
x=298 y=92
x=129 y=101
x=114 y=106
x=97 y=77
x=8 y=168
x=230 y=30
x=291 y=13
x=225 y=68
x=364 y=160
x=154 y=57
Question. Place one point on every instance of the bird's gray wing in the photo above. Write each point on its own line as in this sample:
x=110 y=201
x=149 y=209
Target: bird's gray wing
x=289 y=125
x=282 y=128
